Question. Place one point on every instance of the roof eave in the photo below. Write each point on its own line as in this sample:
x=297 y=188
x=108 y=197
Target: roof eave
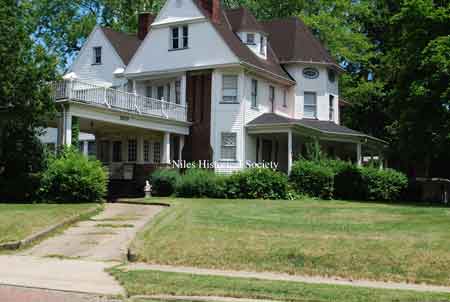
x=273 y=75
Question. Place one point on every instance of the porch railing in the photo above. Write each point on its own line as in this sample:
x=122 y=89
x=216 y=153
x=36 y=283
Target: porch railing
x=115 y=99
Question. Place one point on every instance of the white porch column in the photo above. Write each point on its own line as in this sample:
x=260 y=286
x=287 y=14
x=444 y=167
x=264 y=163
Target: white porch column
x=289 y=152
x=85 y=148
x=359 y=154
x=166 y=148
x=140 y=149
x=180 y=151
x=67 y=127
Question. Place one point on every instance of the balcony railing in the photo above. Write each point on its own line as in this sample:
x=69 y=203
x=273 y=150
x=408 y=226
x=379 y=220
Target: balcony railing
x=79 y=91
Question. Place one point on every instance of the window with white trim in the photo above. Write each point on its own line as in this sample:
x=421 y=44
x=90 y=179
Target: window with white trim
x=310 y=106
x=168 y=93
x=157 y=152
x=272 y=98
x=178 y=92
x=179 y=37
x=160 y=92
x=97 y=58
x=132 y=150
x=230 y=89
x=331 y=107
x=250 y=39
x=284 y=98
x=149 y=91
x=146 y=151
x=262 y=46
x=117 y=151
x=228 y=146
x=254 y=93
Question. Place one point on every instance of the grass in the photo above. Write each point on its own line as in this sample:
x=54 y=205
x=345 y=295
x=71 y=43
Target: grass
x=159 y=283
x=329 y=238
x=18 y=221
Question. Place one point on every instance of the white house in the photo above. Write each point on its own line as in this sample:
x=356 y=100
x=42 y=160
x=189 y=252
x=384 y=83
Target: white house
x=199 y=82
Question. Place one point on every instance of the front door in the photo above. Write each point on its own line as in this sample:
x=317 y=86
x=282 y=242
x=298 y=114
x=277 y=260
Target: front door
x=267 y=150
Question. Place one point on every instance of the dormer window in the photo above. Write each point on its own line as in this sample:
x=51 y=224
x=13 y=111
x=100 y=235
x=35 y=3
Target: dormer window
x=250 y=39
x=262 y=45
x=179 y=37
x=97 y=58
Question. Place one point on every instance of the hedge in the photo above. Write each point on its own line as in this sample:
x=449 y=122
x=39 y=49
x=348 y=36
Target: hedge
x=312 y=178
x=198 y=183
x=164 y=182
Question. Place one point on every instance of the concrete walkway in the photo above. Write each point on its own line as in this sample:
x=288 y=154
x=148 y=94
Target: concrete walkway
x=75 y=261
x=286 y=277
x=105 y=237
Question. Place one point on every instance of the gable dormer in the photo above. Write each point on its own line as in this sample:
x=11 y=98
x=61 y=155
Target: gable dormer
x=249 y=30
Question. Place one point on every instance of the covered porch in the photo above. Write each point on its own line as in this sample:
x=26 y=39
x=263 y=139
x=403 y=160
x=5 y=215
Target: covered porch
x=283 y=140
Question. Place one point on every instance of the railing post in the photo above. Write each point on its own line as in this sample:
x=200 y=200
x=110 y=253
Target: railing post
x=70 y=92
x=105 y=100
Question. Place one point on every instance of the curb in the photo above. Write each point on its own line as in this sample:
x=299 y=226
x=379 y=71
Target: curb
x=15 y=245
x=144 y=204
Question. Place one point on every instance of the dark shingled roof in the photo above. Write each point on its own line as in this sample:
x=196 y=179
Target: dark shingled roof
x=241 y=50
x=125 y=44
x=292 y=40
x=241 y=19
x=325 y=127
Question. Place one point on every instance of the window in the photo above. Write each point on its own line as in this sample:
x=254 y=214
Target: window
x=168 y=92
x=146 y=151
x=284 y=98
x=230 y=89
x=179 y=37
x=250 y=39
x=331 y=75
x=331 y=107
x=149 y=91
x=97 y=56
x=310 y=73
x=228 y=148
x=132 y=150
x=160 y=93
x=272 y=97
x=178 y=92
x=310 y=108
x=254 y=93
x=117 y=151
x=262 y=46
x=92 y=149
x=157 y=152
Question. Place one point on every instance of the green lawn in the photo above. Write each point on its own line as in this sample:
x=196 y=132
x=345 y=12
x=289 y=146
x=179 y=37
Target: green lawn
x=159 y=283
x=328 y=238
x=18 y=221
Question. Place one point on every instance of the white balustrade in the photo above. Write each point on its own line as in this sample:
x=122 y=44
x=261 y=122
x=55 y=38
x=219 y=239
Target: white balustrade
x=79 y=91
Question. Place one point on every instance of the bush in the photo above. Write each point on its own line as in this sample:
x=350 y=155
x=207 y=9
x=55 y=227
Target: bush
x=312 y=178
x=256 y=184
x=198 y=183
x=164 y=182
x=369 y=183
x=71 y=177
x=384 y=185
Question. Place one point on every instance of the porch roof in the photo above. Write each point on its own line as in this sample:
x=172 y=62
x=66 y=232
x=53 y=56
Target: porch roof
x=321 y=127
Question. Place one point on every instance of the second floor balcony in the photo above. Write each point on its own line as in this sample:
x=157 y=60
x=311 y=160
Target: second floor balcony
x=113 y=99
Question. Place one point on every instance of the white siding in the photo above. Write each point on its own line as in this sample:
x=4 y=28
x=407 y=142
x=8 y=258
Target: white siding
x=98 y=74
x=321 y=86
x=177 y=11
x=206 y=48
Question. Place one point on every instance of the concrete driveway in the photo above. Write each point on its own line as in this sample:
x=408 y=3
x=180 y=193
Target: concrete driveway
x=105 y=237
x=75 y=261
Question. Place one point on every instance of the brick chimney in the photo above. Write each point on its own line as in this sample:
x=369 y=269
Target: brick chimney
x=213 y=8
x=144 y=22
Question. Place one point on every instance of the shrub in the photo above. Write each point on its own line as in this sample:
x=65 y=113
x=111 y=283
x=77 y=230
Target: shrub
x=256 y=183
x=383 y=185
x=369 y=183
x=198 y=183
x=312 y=178
x=72 y=177
x=164 y=182
x=349 y=183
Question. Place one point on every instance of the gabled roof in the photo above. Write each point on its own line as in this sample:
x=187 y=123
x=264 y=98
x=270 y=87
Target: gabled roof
x=324 y=127
x=125 y=44
x=292 y=40
x=241 y=19
x=224 y=28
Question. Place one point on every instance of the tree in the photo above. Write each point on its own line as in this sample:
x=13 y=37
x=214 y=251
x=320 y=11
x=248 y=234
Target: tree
x=25 y=97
